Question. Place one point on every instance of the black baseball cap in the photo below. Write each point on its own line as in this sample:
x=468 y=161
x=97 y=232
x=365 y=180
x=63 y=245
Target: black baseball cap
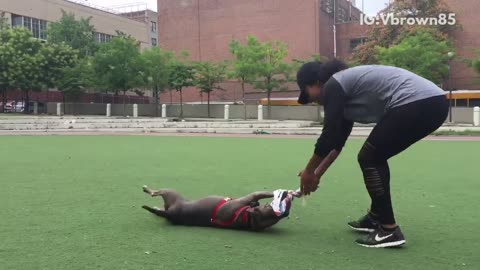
x=308 y=74
x=316 y=72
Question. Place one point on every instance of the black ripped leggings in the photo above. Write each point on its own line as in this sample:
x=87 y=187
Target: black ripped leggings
x=396 y=131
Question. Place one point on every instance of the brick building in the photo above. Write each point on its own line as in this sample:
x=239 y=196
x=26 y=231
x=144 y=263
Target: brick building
x=135 y=20
x=205 y=27
x=467 y=43
x=36 y=15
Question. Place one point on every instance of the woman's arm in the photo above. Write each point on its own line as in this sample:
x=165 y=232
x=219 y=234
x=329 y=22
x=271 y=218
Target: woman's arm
x=316 y=171
x=334 y=135
x=327 y=162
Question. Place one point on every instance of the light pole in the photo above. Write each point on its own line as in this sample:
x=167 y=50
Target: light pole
x=334 y=28
x=451 y=55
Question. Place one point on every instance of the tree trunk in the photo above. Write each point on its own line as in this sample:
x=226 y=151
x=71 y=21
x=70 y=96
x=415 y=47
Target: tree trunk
x=27 y=100
x=124 y=103
x=269 y=111
x=64 y=106
x=269 y=94
x=208 y=104
x=171 y=97
x=4 y=99
x=157 y=101
x=243 y=99
x=181 y=104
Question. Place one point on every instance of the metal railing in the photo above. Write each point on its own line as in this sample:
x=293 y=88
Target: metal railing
x=120 y=10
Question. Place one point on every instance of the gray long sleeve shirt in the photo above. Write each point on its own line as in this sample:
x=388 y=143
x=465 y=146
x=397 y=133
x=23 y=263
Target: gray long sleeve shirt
x=364 y=94
x=372 y=90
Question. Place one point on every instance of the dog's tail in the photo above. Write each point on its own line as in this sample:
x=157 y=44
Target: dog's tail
x=157 y=211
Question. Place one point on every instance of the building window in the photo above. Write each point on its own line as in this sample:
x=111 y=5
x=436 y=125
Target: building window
x=43 y=33
x=154 y=42
x=356 y=42
x=327 y=6
x=17 y=21
x=36 y=26
x=102 y=38
x=154 y=27
x=341 y=15
x=27 y=23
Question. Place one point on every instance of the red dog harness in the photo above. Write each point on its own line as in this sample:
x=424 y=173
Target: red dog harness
x=241 y=211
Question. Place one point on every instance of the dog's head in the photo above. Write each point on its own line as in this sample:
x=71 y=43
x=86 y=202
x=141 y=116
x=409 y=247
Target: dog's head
x=262 y=217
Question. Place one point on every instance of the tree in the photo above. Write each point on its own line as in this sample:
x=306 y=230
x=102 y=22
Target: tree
x=475 y=63
x=29 y=65
x=54 y=59
x=181 y=76
x=118 y=67
x=3 y=21
x=157 y=66
x=75 y=80
x=4 y=58
x=244 y=64
x=381 y=35
x=208 y=77
x=272 y=71
x=20 y=58
x=78 y=34
x=423 y=53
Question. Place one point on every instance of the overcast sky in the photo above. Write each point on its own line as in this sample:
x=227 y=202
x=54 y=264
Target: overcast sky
x=371 y=6
x=152 y=4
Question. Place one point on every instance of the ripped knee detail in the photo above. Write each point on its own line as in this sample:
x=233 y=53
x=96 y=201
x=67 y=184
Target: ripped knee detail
x=373 y=181
x=371 y=164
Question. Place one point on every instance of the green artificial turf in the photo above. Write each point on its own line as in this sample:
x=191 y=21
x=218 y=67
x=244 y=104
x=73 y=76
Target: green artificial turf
x=467 y=132
x=74 y=203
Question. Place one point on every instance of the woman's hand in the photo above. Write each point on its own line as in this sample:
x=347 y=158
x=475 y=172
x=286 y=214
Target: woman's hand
x=309 y=181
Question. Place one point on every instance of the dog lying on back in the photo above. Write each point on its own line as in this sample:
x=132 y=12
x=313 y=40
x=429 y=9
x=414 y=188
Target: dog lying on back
x=215 y=211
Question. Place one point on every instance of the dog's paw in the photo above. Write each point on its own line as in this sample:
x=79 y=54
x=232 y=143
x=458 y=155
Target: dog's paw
x=147 y=190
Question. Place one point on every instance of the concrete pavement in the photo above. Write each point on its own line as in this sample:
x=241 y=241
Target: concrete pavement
x=25 y=125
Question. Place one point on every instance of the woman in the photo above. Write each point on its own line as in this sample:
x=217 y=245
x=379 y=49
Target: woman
x=406 y=108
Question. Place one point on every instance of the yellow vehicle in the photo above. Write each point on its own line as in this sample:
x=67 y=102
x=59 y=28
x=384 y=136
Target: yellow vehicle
x=461 y=97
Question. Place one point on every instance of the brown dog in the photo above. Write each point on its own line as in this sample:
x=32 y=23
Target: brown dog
x=243 y=213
